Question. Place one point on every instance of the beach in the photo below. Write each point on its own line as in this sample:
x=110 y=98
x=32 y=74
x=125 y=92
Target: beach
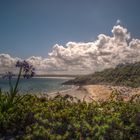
x=96 y=92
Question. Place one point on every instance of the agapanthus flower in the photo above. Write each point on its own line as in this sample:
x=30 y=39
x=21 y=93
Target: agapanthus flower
x=28 y=69
x=8 y=75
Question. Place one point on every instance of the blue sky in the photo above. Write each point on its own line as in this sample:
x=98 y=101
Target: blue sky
x=32 y=27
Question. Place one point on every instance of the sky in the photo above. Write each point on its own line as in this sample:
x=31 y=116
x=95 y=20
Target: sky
x=40 y=30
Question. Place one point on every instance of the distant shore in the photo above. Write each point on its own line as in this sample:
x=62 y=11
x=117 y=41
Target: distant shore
x=53 y=77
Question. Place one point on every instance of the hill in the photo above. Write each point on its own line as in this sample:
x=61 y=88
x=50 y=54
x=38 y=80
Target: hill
x=122 y=75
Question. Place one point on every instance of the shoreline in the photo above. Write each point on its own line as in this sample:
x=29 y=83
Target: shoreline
x=55 y=77
x=96 y=92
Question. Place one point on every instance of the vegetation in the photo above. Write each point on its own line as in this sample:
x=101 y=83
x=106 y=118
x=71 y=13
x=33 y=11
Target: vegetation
x=29 y=117
x=61 y=118
x=123 y=74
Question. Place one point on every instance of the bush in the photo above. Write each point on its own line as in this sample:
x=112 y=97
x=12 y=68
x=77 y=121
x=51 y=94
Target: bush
x=61 y=118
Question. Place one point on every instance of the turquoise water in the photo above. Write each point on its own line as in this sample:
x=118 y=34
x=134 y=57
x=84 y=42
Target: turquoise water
x=37 y=85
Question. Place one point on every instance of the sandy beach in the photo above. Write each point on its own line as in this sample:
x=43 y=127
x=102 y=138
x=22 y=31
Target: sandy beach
x=96 y=92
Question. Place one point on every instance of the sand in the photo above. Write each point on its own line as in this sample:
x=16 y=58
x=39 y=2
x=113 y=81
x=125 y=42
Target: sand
x=96 y=92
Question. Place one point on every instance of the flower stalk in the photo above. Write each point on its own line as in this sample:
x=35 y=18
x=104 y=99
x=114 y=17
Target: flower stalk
x=26 y=70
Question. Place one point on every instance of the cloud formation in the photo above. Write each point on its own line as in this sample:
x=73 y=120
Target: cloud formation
x=7 y=63
x=83 y=58
x=118 y=21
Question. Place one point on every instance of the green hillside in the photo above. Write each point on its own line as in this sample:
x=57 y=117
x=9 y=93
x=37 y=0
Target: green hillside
x=124 y=75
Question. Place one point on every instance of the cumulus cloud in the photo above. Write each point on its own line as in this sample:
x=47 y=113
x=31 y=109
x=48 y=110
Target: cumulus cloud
x=7 y=63
x=83 y=58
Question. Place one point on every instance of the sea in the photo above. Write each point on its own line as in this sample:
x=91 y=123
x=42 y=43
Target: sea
x=37 y=85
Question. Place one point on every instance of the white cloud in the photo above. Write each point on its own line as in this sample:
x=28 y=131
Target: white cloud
x=81 y=58
x=118 y=21
x=7 y=63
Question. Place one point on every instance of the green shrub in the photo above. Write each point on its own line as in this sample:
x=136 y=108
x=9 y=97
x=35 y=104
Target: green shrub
x=62 y=118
